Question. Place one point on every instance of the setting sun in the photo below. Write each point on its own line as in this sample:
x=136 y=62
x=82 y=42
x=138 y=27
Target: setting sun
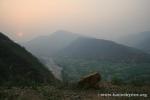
x=74 y=49
x=20 y=34
x=100 y=18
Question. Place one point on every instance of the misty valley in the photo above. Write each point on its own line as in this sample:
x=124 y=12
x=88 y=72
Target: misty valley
x=74 y=49
x=64 y=59
x=81 y=55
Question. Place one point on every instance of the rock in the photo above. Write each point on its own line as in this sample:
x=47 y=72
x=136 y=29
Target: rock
x=90 y=81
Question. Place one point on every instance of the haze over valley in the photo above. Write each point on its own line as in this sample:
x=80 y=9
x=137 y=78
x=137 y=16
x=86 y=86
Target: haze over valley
x=23 y=20
x=80 y=55
x=74 y=49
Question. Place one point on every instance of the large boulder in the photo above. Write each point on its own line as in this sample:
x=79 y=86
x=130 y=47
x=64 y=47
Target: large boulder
x=90 y=81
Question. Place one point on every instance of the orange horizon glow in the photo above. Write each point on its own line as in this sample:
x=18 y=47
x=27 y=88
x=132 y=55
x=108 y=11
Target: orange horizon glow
x=37 y=17
x=19 y=34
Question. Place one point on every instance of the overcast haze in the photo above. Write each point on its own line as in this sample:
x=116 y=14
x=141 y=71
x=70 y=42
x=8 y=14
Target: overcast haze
x=25 y=19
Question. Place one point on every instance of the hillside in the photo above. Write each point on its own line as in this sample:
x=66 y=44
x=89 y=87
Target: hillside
x=19 y=67
x=81 y=55
x=99 y=49
x=112 y=60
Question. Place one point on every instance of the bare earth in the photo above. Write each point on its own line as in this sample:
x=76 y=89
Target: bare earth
x=53 y=93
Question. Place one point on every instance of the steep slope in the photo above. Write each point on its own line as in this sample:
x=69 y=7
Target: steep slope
x=49 y=45
x=19 y=67
x=140 y=41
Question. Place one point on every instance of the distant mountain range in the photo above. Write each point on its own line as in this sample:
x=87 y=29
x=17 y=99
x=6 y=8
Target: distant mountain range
x=140 y=41
x=50 y=45
x=79 y=55
x=19 y=67
x=99 y=49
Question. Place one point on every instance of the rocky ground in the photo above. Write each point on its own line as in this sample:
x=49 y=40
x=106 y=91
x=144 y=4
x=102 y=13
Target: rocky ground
x=61 y=93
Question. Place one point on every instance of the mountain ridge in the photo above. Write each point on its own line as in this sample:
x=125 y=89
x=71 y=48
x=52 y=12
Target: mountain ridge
x=82 y=55
x=51 y=44
x=86 y=47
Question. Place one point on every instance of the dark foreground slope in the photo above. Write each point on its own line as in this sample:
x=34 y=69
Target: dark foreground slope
x=51 y=93
x=19 y=67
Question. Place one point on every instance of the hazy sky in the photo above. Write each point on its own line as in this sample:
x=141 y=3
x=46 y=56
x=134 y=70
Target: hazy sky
x=25 y=19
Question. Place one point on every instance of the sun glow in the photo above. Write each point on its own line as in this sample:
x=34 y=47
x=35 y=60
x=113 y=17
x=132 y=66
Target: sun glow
x=19 y=34
x=91 y=17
